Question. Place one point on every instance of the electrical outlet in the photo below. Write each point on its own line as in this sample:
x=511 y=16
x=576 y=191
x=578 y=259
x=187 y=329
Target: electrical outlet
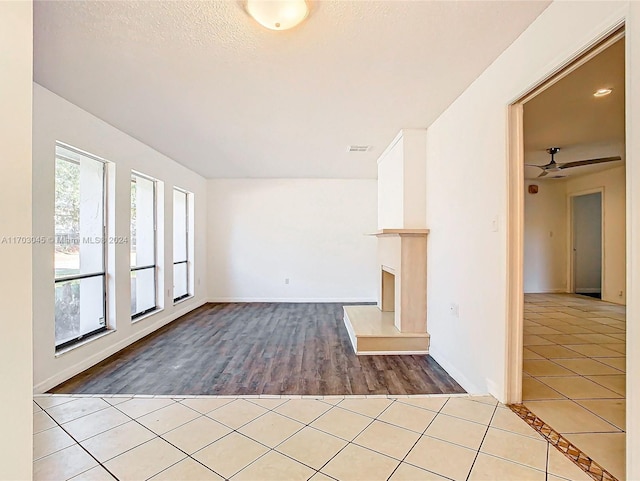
x=454 y=309
x=286 y=281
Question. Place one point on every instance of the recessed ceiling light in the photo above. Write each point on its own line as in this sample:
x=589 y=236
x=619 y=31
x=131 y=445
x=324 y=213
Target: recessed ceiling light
x=602 y=92
x=278 y=14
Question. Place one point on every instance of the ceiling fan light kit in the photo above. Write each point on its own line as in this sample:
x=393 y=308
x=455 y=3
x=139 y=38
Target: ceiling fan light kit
x=555 y=168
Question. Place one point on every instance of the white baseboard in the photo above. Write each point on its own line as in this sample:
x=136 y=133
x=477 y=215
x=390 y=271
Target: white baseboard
x=589 y=290
x=86 y=363
x=467 y=385
x=559 y=290
x=337 y=300
x=392 y=353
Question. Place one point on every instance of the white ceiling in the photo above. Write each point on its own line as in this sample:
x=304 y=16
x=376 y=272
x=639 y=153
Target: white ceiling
x=206 y=85
x=567 y=115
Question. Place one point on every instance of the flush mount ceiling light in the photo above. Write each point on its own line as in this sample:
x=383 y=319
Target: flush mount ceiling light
x=278 y=14
x=602 y=92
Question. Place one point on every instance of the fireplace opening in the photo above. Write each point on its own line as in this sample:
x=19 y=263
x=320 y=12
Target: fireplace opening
x=388 y=297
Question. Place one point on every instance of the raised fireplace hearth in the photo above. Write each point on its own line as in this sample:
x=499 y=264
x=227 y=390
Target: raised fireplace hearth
x=398 y=324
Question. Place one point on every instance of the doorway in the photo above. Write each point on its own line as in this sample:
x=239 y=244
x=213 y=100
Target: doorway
x=572 y=346
x=586 y=244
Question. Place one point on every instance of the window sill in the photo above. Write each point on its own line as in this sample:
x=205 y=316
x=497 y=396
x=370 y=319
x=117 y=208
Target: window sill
x=83 y=342
x=147 y=315
x=184 y=299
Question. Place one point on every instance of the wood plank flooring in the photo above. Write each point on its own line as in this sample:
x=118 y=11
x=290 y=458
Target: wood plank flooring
x=259 y=348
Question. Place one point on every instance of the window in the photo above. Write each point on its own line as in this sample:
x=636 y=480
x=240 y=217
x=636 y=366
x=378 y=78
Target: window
x=143 y=245
x=79 y=260
x=180 y=244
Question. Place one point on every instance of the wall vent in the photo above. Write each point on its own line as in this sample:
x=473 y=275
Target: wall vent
x=359 y=148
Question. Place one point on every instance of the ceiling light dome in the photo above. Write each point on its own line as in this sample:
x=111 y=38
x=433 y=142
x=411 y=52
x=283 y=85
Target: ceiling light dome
x=278 y=14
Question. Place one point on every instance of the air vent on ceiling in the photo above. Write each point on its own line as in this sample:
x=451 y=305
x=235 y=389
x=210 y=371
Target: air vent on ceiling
x=359 y=148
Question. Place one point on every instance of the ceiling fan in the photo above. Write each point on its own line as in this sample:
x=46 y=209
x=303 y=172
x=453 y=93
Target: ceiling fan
x=555 y=168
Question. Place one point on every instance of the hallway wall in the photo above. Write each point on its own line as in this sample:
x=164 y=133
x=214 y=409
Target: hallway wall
x=545 y=237
x=546 y=265
x=467 y=199
x=16 y=59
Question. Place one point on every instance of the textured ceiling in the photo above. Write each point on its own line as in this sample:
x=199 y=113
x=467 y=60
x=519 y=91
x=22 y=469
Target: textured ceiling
x=567 y=115
x=206 y=85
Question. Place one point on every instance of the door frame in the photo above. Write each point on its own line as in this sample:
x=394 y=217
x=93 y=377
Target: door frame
x=515 y=201
x=571 y=271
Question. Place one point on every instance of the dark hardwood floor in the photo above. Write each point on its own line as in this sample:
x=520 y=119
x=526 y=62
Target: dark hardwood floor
x=258 y=349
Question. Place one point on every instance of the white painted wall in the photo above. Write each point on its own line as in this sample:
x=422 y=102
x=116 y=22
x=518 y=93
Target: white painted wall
x=466 y=192
x=545 y=237
x=586 y=240
x=310 y=231
x=401 y=181
x=55 y=119
x=613 y=183
x=16 y=59
x=391 y=186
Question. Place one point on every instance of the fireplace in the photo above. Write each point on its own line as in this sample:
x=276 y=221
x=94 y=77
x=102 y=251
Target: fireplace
x=398 y=323
x=388 y=292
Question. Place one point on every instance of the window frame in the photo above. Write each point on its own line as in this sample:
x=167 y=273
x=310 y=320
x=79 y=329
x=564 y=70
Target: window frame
x=153 y=266
x=186 y=261
x=69 y=278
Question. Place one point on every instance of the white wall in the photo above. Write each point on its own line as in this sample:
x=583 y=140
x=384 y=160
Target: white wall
x=391 y=186
x=545 y=237
x=467 y=162
x=401 y=181
x=546 y=265
x=310 y=231
x=467 y=193
x=613 y=183
x=55 y=119
x=16 y=59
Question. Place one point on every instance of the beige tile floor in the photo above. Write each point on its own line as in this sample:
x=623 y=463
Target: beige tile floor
x=271 y=438
x=574 y=372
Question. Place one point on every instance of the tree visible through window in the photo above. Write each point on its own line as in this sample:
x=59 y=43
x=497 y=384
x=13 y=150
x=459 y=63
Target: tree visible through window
x=79 y=246
x=143 y=245
x=180 y=244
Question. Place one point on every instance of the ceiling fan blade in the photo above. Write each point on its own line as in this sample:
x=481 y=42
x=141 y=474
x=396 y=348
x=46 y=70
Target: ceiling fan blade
x=544 y=172
x=534 y=165
x=580 y=163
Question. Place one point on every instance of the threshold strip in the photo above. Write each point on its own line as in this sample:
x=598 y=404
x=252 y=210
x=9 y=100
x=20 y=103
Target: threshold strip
x=562 y=444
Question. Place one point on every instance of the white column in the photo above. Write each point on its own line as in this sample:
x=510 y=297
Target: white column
x=16 y=351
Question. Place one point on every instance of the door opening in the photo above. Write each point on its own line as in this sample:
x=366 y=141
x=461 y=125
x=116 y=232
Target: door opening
x=586 y=249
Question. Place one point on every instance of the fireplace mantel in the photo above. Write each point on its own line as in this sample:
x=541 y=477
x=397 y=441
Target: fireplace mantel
x=401 y=232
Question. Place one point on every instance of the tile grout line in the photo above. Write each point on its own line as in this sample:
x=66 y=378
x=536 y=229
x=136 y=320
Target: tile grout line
x=83 y=448
x=418 y=440
x=350 y=442
x=160 y=436
x=475 y=458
